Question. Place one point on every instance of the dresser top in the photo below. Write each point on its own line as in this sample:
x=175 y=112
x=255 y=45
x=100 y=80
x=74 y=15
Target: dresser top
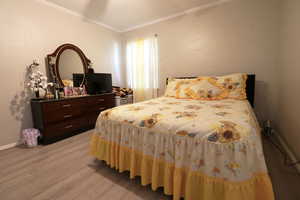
x=68 y=98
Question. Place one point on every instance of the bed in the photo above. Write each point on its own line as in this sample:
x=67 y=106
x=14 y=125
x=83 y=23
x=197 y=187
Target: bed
x=193 y=148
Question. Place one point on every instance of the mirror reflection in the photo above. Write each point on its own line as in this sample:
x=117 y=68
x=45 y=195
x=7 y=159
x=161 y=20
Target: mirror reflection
x=69 y=63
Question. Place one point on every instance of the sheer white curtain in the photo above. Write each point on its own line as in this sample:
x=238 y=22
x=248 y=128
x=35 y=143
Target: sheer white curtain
x=142 y=68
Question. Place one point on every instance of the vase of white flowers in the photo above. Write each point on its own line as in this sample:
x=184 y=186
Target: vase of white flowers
x=37 y=80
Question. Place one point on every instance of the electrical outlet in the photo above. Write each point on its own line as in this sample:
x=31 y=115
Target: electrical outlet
x=268 y=131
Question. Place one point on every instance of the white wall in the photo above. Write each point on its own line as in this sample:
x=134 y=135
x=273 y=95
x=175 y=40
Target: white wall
x=31 y=30
x=289 y=109
x=238 y=36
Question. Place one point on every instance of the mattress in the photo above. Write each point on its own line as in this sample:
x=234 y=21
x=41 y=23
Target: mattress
x=194 y=149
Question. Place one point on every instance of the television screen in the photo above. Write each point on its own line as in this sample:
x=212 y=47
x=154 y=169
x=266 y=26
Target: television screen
x=99 y=83
x=77 y=80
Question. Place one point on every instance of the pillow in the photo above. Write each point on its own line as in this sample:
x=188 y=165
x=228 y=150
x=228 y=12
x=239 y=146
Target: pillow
x=208 y=88
x=235 y=84
x=202 y=88
x=173 y=85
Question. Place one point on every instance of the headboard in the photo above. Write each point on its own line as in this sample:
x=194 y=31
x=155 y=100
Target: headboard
x=250 y=87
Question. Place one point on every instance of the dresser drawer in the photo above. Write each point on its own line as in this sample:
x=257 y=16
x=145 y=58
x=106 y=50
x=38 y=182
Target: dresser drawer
x=64 y=105
x=58 y=129
x=101 y=100
x=61 y=115
x=99 y=108
x=63 y=110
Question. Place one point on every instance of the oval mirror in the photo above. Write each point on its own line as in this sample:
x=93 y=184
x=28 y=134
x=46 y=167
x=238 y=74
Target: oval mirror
x=68 y=65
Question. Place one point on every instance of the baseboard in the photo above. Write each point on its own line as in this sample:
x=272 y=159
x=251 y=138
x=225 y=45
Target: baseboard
x=287 y=150
x=8 y=146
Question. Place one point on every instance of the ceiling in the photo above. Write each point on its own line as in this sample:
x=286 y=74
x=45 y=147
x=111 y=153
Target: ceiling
x=124 y=15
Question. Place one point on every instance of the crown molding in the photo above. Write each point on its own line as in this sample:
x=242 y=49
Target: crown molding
x=188 y=11
x=71 y=12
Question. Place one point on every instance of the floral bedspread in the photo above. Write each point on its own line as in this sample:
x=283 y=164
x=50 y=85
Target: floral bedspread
x=217 y=138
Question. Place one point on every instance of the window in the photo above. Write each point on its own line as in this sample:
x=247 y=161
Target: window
x=142 y=68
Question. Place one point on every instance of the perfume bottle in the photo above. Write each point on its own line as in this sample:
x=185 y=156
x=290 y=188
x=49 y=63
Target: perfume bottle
x=56 y=91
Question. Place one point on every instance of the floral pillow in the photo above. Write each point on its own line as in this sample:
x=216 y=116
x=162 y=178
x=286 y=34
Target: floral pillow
x=208 y=88
x=235 y=84
x=173 y=85
x=202 y=88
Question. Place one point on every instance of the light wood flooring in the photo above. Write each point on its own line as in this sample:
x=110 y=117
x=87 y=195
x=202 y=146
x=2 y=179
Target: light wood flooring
x=64 y=170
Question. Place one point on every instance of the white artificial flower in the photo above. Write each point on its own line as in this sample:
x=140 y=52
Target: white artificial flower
x=36 y=62
x=44 y=85
x=36 y=78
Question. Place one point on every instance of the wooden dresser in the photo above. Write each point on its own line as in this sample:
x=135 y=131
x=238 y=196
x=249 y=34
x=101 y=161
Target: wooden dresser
x=58 y=119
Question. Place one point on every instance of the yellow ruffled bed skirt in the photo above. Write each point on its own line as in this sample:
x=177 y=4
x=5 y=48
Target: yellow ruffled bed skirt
x=179 y=182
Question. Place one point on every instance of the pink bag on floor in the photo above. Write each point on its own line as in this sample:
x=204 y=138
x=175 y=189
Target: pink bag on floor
x=29 y=137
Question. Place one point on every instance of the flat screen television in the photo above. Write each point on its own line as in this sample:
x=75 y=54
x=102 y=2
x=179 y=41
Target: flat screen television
x=77 y=79
x=98 y=83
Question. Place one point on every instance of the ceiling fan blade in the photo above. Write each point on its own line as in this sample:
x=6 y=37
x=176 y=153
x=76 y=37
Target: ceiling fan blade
x=95 y=9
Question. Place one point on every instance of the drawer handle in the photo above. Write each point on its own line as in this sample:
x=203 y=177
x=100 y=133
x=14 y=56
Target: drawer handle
x=66 y=105
x=100 y=99
x=67 y=127
x=102 y=108
x=67 y=116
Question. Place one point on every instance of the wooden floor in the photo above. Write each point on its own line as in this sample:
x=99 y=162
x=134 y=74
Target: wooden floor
x=64 y=170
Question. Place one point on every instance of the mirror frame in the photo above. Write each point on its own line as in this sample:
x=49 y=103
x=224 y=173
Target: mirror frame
x=53 y=61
